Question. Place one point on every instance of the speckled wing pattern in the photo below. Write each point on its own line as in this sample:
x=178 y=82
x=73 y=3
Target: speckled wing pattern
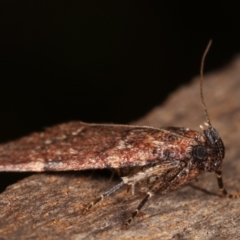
x=81 y=146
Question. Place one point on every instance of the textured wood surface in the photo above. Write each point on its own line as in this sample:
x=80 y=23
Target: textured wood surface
x=49 y=205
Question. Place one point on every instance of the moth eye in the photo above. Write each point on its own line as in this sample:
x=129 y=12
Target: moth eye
x=199 y=152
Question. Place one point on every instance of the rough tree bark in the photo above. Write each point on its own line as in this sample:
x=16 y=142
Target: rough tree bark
x=49 y=205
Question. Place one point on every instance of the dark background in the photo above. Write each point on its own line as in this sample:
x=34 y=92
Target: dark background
x=103 y=61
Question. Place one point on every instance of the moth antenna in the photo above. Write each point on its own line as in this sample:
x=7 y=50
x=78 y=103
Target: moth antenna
x=201 y=82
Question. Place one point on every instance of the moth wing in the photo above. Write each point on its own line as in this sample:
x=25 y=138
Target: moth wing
x=80 y=146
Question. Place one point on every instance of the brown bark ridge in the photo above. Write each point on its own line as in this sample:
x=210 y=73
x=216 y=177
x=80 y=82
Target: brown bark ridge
x=50 y=205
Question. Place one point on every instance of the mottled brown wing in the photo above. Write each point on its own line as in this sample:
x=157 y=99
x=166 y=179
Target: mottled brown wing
x=80 y=146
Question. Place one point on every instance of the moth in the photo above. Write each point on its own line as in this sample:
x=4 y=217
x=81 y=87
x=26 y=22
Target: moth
x=160 y=159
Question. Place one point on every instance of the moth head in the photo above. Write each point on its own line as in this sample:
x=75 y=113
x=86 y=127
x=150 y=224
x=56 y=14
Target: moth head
x=209 y=156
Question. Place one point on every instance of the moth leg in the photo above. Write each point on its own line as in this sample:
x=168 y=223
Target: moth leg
x=112 y=175
x=101 y=197
x=134 y=214
x=155 y=188
x=222 y=188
